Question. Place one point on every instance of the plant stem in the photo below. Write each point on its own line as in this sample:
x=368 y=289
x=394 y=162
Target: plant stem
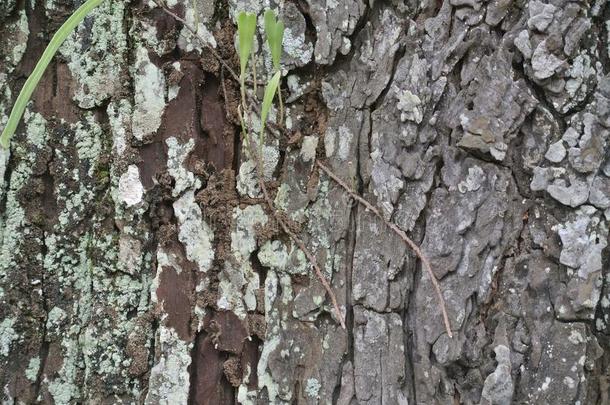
x=32 y=81
x=254 y=79
x=279 y=93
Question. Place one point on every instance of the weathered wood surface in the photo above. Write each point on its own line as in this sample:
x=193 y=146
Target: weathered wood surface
x=138 y=263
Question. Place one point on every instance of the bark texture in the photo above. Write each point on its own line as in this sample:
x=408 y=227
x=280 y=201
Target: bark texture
x=139 y=263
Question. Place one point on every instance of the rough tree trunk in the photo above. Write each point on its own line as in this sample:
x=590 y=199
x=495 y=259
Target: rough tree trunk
x=139 y=264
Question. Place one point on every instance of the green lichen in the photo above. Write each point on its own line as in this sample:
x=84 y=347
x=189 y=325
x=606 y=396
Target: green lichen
x=149 y=85
x=15 y=225
x=7 y=336
x=194 y=232
x=54 y=318
x=98 y=77
x=88 y=138
x=89 y=340
x=31 y=373
x=312 y=388
x=176 y=157
x=273 y=254
x=65 y=387
x=170 y=378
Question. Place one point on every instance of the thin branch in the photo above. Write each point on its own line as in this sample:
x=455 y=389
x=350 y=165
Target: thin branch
x=278 y=217
x=402 y=235
x=292 y=235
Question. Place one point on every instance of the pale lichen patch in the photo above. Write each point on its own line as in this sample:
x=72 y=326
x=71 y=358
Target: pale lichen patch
x=170 y=378
x=14 y=43
x=7 y=335
x=194 y=232
x=188 y=41
x=149 y=83
x=238 y=284
x=308 y=148
x=164 y=259
x=177 y=154
x=243 y=238
x=312 y=388
x=410 y=106
x=130 y=189
x=4 y=157
x=119 y=116
x=97 y=76
x=31 y=373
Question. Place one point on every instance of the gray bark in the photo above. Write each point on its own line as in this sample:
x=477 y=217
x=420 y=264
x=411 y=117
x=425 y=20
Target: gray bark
x=139 y=263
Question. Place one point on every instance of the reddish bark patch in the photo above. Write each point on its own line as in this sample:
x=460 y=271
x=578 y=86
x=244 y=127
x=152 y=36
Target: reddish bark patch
x=50 y=95
x=249 y=360
x=215 y=373
x=175 y=294
x=152 y=163
x=216 y=144
x=209 y=386
x=229 y=331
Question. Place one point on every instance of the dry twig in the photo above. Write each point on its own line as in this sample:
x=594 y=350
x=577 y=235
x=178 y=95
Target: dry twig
x=293 y=236
x=402 y=235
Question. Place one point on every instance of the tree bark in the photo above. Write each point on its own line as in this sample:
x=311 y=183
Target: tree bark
x=139 y=262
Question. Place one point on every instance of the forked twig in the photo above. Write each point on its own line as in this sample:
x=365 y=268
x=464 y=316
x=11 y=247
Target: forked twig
x=402 y=235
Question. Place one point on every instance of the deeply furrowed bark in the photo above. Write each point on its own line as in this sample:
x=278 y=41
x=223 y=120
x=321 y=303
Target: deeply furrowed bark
x=139 y=262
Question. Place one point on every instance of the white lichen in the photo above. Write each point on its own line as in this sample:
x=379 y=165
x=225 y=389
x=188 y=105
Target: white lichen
x=130 y=190
x=119 y=116
x=312 y=388
x=7 y=335
x=409 y=105
x=149 y=84
x=308 y=148
x=31 y=373
x=194 y=232
x=97 y=77
x=176 y=157
x=170 y=378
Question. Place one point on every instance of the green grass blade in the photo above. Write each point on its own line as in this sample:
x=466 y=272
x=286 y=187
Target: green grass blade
x=274 y=29
x=32 y=81
x=270 y=91
x=246 y=26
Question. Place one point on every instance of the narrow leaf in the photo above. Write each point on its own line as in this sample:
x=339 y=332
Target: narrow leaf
x=32 y=81
x=246 y=26
x=274 y=29
x=270 y=91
